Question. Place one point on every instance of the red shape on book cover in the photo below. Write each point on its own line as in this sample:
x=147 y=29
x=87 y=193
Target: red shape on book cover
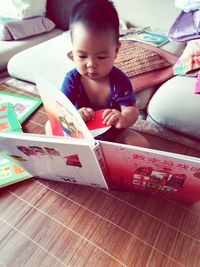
x=96 y=126
x=97 y=121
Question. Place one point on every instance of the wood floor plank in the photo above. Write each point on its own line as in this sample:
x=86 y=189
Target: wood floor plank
x=107 y=231
x=186 y=250
x=158 y=210
x=52 y=236
x=16 y=249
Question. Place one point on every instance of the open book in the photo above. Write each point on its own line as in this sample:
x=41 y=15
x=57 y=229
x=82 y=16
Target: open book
x=87 y=161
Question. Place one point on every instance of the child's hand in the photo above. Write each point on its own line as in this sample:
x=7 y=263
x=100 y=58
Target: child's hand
x=115 y=118
x=87 y=114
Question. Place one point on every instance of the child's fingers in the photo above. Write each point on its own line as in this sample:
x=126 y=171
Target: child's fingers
x=90 y=112
x=86 y=113
x=110 y=116
x=106 y=113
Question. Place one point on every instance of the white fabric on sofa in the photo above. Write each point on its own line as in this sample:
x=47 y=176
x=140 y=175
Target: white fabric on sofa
x=49 y=59
x=174 y=105
x=155 y=13
x=10 y=48
x=22 y=9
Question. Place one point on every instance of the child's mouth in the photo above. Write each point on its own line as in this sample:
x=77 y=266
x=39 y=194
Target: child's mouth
x=92 y=74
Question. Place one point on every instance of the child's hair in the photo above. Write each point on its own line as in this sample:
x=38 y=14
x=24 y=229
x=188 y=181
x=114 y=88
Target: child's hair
x=97 y=15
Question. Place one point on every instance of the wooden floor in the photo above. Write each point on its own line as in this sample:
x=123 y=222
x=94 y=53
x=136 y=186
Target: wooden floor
x=44 y=223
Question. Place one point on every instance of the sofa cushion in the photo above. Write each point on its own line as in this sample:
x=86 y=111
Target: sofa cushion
x=53 y=64
x=175 y=106
x=9 y=49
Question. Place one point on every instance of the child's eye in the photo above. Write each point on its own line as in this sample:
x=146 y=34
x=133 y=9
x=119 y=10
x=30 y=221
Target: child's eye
x=80 y=56
x=102 y=57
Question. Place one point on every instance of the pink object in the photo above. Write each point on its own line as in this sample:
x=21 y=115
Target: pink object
x=197 y=85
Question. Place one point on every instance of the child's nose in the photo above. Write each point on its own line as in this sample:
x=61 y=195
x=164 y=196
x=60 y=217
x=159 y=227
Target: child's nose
x=91 y=63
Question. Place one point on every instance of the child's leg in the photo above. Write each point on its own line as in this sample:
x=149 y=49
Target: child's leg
x=48 y=129
x=131 y=137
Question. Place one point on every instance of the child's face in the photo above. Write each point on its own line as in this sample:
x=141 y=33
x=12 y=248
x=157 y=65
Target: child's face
x=93 y=52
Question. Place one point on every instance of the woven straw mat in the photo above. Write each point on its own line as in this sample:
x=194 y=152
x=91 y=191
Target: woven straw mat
x=135 y=60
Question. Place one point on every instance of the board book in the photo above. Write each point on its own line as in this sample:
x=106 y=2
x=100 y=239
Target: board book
x=10 y=172
x=8 y=119
x=23 y=105
x=87 y=161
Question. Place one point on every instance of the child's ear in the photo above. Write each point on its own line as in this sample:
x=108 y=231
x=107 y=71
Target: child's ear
x=117 y=49
x=118 y=46
x=70 y=55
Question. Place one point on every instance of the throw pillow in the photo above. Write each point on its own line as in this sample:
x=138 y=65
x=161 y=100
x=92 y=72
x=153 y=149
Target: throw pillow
x=20 y=29
x=144 y=64
x=4 y=33
x=186 y=26
x=190 y=58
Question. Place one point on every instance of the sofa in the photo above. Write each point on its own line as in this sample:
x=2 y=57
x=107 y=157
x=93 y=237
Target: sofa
x=22 y=41
x=169 y=104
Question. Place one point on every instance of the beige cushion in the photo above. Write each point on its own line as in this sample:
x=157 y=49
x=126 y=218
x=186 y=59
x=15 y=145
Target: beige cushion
x=176 y=106
x=10 y=48
x=49 y=59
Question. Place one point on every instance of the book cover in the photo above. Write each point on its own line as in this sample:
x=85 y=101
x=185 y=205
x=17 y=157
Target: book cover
x=152 y=171
x=23 y=106
x=148 y=37
x=62 y=159
x=11 y=173
x=8 y=119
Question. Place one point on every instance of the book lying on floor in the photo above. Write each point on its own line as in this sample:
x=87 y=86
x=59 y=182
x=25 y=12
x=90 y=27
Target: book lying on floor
x=23 y=105
x=103 y=164
x=10 y=172
x=8 y=119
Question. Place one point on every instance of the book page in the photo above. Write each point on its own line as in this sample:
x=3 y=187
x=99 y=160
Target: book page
x=64 y=118
x=151 y=171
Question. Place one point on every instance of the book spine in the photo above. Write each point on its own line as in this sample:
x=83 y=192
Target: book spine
x=102 y=164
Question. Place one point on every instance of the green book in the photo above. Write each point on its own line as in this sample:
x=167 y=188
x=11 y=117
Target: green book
x=23 y=106
x=8 y=119
x=10 y=172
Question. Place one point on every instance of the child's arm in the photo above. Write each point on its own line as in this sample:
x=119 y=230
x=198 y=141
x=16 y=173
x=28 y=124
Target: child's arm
x=123 y=119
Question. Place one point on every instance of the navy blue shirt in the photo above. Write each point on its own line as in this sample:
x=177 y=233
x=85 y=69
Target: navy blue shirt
x=121 y=91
